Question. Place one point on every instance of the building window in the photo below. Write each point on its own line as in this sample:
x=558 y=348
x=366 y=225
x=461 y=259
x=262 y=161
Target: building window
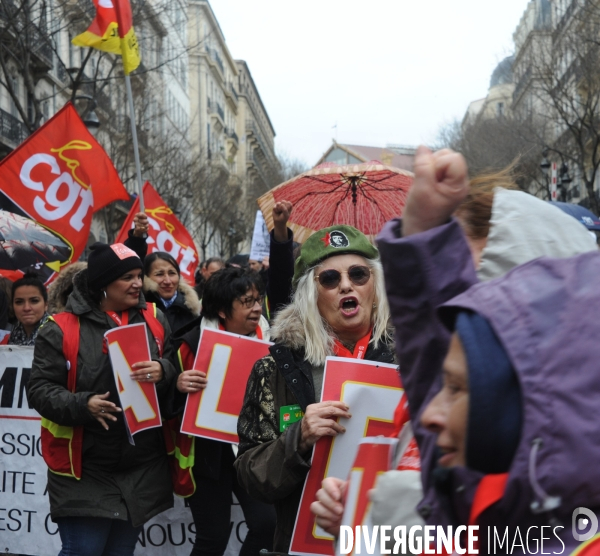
x=500 y=109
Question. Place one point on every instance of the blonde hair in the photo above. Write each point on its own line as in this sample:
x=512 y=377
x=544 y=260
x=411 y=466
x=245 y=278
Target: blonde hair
x=318 y=335
x=475 y=212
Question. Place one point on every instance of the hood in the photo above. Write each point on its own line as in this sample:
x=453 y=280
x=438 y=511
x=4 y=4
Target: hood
x=190 y=296
x=288 y=329
x=523 y=228
x=60 y=289
x=545 y=314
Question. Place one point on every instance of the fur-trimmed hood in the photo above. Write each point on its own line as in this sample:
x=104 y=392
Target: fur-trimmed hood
x=190 y=296
x=287 y=328
x=61 y=288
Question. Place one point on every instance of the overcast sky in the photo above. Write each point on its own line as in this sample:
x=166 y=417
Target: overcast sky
x=386 y=71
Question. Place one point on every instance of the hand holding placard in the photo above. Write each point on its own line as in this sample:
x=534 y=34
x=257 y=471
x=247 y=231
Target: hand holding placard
x=128 y=345
x=372 y=391
x=223 y=364
x=191 y=381
x=320 y=420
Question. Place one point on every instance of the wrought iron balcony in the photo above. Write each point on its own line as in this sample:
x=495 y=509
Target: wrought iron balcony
x=12 y=129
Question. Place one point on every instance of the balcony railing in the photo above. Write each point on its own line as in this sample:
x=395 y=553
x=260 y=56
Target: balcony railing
x=220 y=111
x=231 y=134
x=12 y=128
x=18 y=27
x=259 y=167
x=217 y=58
x=233 y=91
x=252 y=126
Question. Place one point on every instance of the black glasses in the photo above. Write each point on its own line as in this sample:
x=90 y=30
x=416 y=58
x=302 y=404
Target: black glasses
x=359 y=275
x=249 y=302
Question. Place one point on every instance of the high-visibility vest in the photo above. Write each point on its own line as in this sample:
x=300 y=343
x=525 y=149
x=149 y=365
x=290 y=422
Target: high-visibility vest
x=62 y=445
x=182 y=449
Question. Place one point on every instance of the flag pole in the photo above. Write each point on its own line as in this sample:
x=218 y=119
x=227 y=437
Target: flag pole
x=136 y=151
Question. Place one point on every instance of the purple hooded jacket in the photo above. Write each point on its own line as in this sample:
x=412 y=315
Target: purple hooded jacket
x=546 y=315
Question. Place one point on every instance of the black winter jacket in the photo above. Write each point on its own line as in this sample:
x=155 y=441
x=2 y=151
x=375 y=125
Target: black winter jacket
x=118 y=480
x=269 y=465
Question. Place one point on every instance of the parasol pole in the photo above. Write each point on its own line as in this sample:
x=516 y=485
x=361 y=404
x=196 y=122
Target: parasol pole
x=136 y=152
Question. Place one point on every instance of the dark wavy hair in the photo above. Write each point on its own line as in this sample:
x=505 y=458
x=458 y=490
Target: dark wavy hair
x=30 y=278
x=226 y=285
x=162 y=256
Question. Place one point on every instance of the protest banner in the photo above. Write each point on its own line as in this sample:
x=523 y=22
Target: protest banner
x=261 y=240
x=372 y=391
x=165 y=232
x=25 y=523
x=374 y=456
x=227 y=360
x=58 y=177
x=128 y=345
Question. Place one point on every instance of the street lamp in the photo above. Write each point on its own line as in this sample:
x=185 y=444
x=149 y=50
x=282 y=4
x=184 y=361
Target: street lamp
x=545 y=163
x=90 y=118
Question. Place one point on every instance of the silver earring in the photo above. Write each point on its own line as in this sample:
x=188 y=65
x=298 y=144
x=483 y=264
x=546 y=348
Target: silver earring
x=374 y=305
x=104 y=292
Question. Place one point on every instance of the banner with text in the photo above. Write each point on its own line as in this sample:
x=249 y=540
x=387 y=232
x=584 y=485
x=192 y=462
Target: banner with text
x=128 y=345
x=372 y=391
x=227 y=360
x=165 y=232
x=25 y=523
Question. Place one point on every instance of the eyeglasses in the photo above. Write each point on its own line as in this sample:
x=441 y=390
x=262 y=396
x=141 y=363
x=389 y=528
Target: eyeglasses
x=359 y=275
x=249 y=302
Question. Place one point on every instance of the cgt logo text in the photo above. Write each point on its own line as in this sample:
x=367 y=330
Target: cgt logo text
x=430 y=539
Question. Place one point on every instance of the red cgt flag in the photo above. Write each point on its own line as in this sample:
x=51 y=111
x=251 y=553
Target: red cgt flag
x=58 y=177
x=165 y=233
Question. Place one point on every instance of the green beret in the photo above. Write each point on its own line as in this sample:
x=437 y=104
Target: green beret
x=328 y=242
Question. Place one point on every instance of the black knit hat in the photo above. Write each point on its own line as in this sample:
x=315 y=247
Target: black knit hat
x=106 y=263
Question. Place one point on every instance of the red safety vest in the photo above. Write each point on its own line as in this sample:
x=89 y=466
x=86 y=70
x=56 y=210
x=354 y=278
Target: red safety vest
x=181 y=446
x=62 y=445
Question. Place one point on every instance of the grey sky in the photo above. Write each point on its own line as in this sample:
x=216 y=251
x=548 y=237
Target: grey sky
x=387 y=71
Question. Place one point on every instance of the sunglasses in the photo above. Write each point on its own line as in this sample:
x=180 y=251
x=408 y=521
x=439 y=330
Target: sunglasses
x=359 y=275
x=249 y=302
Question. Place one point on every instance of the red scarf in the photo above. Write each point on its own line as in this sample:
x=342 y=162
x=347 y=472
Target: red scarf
x=258 y=331
x=359 y=349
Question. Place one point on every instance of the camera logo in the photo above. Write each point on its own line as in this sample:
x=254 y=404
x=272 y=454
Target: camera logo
x=585 y=524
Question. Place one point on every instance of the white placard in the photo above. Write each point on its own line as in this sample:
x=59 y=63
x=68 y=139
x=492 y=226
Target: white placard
x=261 y=240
